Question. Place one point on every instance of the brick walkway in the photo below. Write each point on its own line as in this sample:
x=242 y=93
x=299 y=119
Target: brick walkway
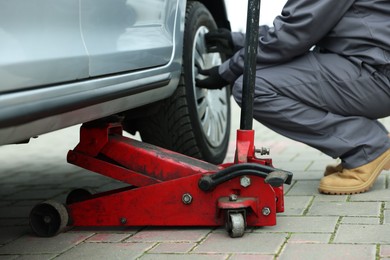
x=313 y=226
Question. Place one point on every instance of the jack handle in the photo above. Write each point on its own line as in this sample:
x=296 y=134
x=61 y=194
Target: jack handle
x=272 y=176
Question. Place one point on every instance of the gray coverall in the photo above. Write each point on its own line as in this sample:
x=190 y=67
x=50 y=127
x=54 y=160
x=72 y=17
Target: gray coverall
x=329 y=97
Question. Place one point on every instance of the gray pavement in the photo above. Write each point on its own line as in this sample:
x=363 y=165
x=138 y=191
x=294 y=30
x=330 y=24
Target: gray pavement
x=313 y=226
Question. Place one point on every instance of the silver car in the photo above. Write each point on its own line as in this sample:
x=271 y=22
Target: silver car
x=67 y=62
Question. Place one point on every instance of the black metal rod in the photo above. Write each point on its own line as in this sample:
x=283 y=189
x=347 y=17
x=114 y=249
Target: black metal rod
x=249 y=77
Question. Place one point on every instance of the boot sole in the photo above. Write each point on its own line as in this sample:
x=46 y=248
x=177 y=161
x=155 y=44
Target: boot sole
x=384 y=165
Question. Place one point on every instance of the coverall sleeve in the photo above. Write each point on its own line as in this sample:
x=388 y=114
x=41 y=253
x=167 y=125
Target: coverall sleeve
x=239 y=37
x=300 y=26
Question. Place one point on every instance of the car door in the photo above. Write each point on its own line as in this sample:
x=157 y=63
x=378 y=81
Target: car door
x=40 y=43
x=127 y=35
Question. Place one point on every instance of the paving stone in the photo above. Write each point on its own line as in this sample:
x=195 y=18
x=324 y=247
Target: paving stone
x=15 y=211
x=304 y=224
x=384 y=251
x=249 y=243
x=323 y=197
x=251 y=257
x=37 y=257
x=328 y=251
x=363 y=234
x=345 y=209
x=35 y=194
x=10 y=222
x=304 y=188
x=309 y=238
x=295 y=205
x=36 y=245
x=107 y=238
x=7 y=234
x=106 y=251
x=8 y=257
x=28 y=203
x=386 y=217
x=302 y=175
x=361 y=220
x=173 y=248
x=377 y=193
x=169 y=235
x=186 y=256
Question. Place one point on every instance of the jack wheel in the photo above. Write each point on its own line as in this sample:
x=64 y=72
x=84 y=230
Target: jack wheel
x=235 y=224
x=78 y=195
x=48 y=218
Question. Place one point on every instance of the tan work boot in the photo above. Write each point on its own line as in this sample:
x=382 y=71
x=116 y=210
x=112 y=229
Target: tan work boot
x=330 y=169
x=357 y=180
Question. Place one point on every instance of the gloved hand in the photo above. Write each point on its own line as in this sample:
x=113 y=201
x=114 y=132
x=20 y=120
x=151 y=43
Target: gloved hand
x=221 y=41
x=213 y=81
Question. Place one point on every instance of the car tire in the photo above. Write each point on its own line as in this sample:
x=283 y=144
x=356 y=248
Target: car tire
x=193 y=121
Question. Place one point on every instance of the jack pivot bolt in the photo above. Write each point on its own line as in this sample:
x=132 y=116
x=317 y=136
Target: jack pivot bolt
x=233 y=197
x=245 y=181
x=266 y=211
x=186 y=198
x=123 y=221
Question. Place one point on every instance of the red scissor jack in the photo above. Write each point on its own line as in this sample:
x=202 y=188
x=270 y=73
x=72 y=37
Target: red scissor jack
x=169 y=189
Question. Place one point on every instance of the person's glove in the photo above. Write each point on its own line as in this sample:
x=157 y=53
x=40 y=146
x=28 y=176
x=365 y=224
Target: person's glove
x=213 y=81
x=221 y=41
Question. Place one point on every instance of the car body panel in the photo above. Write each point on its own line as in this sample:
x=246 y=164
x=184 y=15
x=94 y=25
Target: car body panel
x=40 y=43
x=124 y=35
x=67 y=62
x=42 y=109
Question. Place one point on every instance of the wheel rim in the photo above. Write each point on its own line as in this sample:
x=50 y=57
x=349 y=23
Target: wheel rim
x=211 y=105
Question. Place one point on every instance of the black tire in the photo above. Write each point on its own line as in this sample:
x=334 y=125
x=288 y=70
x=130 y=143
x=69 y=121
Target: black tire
x=48 y=218
x=193 y=121
x=78 y=195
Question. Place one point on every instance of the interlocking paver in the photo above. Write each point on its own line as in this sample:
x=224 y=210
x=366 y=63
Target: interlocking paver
x=327 y=251
x=8 y=257
x=309 y=238
x=169 y=234
x=345 y=209
x=384 y=251
x=363 y=234
x=107 y=238
x=10 y=233
x=361 y=220
x=302 y=224
x=37 y=257
x=36 y=245
x=250 y=243
x=304 y=188
x=377 y=193
x=173 y=248
x=251 y=257
x=186 y=256
x=106 y=251
x=295 y=205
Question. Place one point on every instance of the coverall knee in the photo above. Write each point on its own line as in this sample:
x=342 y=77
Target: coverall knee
x=325 y=101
